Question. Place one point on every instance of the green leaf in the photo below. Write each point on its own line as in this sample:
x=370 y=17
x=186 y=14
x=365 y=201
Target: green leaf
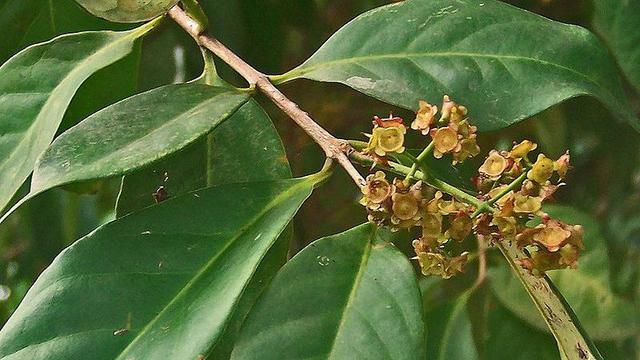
x=351 y=293
x=617 y=21
x=34 y=21
x=587 y=289
x=509 y=338
x=133 y=133
x=450 y=334
x=127 y=11
x=37 y=86
x=150 y=285
x=245 y=148
x=503 y=63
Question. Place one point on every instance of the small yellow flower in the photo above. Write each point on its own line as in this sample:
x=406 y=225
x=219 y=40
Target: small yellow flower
x=506 y=225
x=552 y=236
x=494 y=165
x=468 y=149
x=377 y=189
x=424 y=117
x=456 y=265
x=521 y=150
x=432 y=263
x=445 y=140
x=460 y=227
x=405 y=206
x=542 y=170
x=525 y=204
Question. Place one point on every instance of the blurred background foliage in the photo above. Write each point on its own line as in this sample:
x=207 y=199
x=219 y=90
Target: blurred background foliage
x=276 y=35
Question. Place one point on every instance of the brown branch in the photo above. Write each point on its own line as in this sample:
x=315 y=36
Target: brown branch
x=334 y=148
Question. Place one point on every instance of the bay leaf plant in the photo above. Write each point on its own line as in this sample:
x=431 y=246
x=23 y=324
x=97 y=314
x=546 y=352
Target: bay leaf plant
x=199 y=267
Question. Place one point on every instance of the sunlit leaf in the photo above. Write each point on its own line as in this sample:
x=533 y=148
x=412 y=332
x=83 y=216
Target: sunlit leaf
x=37 y=85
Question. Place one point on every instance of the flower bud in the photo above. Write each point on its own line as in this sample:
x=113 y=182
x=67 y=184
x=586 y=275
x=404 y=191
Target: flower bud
x=521 y=150
x=542 y=170
x=424 y=117
x=561 y=166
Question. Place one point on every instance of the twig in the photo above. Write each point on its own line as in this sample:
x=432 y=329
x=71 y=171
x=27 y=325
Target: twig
x=334 y=148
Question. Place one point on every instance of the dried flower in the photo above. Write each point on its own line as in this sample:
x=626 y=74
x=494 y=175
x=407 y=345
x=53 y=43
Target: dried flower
x=561 y=166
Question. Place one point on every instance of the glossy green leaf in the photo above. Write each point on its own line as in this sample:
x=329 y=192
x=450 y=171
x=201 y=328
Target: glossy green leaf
x=262 y=157
x=604 y=315
x=347 y=296
x=244 y=148
x=127 y=11
x=133 y=133
x=617 y=21
x=37 y=85
x=151 y=285
x=503 y=63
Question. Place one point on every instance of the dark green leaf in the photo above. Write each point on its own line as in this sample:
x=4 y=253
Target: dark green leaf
x=37 y=86
x=161 y=283
x=133 y=133
x=347 y=296
x=604 y=315
x=503 y=63
x=618 y=22
x=127 y=11
x=244 y=148
x=450 y=335
x=509 y=338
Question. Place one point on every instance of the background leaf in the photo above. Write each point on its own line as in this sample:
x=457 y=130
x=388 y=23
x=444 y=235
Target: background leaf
x=37 y=86
x=343 y=295
x=160 y=280
x=127 y=11
x=503 y=63
x=450 y=334
x=604 y=315
x=617 y=21
x=134 y=133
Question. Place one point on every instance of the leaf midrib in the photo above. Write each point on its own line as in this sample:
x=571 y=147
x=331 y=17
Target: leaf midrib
x=306 y=69
x=204 y=269
x=117 y=152
x=352 y=293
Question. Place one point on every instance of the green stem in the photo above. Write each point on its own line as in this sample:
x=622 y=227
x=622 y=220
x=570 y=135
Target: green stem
x=509 y=188
x=419 y=175
x=419 y=159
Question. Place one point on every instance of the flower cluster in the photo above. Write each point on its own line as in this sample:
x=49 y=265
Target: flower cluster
x=442 y=221
x=454 y=135
x=519 y=188
x=510 y=192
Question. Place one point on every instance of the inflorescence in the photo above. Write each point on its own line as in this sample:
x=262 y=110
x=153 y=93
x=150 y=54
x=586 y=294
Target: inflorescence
x=510 y=191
